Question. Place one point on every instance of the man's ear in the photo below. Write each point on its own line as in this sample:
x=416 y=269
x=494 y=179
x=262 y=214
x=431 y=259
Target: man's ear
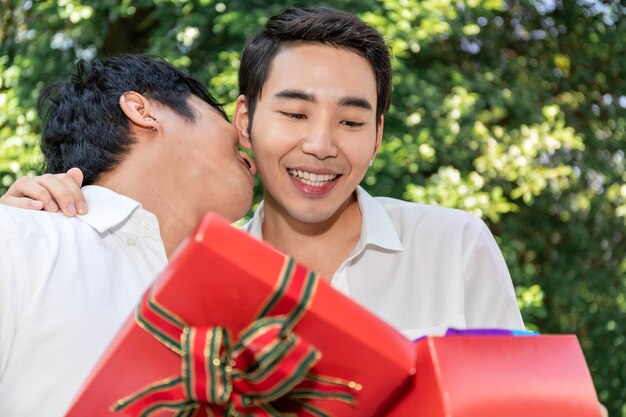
x=139 y=110
x=241 y=120
x=379 y=135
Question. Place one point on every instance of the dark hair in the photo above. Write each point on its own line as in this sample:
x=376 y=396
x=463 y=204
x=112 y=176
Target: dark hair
x=313 y=24
x=83 y=124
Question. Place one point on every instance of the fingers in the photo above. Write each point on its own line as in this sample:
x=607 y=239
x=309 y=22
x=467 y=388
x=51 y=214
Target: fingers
x=77 y=176
x=65 y=192
x=81 y=203
x=21 y=202
x=50 y=192
x=25 y=189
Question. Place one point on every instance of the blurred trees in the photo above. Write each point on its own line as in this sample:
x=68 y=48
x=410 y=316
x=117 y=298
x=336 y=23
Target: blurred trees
x=514 y=110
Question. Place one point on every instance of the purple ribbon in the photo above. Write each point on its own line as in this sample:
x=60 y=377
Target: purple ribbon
x=485 y=332
x=489 y=332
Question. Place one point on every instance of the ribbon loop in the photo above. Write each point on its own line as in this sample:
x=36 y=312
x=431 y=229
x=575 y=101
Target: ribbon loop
x=206 y=370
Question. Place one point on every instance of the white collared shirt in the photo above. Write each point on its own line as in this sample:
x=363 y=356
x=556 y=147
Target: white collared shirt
x=424 y=268
x=66 y=287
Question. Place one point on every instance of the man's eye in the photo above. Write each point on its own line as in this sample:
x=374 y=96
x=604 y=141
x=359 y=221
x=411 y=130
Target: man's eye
x=293 y=115
x=351 y=123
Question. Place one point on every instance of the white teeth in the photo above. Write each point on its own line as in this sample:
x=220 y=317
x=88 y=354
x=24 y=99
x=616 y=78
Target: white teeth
x=312 y=179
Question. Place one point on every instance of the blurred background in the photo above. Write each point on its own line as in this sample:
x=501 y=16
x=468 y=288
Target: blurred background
x=513 y=110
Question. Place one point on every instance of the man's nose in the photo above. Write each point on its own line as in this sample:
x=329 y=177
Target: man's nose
x=320 y=141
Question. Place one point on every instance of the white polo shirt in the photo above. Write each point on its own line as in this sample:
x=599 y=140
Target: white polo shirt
x=424 y=268
x=66 y=287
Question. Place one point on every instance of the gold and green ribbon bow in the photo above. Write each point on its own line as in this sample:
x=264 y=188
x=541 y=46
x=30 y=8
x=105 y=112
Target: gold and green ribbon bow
x=266 y=371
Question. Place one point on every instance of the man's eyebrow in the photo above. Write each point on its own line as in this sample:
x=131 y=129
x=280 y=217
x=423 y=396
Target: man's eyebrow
x=296 y=95
x=359 y=102
x=350 y=101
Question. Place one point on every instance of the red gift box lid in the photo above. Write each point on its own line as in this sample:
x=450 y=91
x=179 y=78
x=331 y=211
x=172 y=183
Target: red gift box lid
x=497 y=376
x=221 y=277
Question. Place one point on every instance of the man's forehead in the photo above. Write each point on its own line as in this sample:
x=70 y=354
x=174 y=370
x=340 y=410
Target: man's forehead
x=305 y=49
x=296 y=68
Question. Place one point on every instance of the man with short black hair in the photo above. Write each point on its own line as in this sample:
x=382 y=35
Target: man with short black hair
x=315 y=85
x=157 y=152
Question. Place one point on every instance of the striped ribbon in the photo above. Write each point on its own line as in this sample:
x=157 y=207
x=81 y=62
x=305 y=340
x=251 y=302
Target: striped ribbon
x=268 y=369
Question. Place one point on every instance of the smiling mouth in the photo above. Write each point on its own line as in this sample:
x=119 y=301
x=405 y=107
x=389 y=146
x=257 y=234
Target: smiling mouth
x=312 y=179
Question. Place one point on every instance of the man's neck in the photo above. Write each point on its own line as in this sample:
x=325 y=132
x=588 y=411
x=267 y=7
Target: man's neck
x=322 y=247
x=173 y=225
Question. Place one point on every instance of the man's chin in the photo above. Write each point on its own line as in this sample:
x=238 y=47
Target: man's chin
x=312 y=217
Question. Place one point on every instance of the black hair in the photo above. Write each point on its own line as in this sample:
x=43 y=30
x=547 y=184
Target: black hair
x=313 y=24
x=83 y=123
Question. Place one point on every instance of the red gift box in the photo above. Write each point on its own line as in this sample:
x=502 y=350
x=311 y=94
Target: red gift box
x=497 y=376
x=221 y=278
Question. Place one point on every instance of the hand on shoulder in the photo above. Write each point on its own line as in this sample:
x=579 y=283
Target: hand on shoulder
x=50 y=192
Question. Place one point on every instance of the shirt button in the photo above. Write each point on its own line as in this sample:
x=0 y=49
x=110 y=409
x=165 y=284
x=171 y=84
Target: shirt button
x=146 y=223
x=131 y=242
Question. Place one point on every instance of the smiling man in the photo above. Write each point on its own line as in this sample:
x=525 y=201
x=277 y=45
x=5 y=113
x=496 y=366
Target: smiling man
x=314 y=134
x=315 y=85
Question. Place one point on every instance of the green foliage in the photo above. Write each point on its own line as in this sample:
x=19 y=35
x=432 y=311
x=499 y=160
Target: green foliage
x=514 y=110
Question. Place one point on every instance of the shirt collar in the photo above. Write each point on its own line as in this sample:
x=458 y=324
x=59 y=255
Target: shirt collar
x=376 y=228
x=107 y=209
x=255 y=226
